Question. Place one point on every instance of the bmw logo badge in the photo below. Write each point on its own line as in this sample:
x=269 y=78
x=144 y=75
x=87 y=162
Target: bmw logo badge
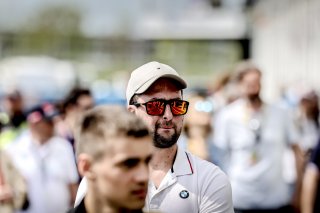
x=184 y=194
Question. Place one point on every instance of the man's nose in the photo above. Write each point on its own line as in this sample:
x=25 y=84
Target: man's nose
x=143 y=173
x=167 y=113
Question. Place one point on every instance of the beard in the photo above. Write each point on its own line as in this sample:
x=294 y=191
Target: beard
x=162 y=142
x=254 y=97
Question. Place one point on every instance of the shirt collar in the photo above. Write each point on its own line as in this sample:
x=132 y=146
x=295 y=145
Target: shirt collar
x=182 y=164
x=80 y=208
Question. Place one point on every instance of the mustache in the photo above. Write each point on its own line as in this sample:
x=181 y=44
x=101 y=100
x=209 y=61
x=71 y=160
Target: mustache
x=165 y=124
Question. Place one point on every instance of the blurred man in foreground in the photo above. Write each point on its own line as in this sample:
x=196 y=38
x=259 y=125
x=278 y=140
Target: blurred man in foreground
x=114 y=151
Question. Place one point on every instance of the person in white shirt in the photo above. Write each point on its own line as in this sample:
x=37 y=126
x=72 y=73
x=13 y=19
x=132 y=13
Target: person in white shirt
x=47 y=163
x=255 y=136
x=179 y=181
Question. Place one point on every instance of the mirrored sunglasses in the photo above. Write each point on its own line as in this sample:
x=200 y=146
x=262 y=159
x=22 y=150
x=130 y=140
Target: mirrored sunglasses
x=157 y=107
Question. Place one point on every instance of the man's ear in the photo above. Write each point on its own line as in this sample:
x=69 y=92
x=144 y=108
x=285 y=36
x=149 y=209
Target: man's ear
x=131 y=108
x=85 y=166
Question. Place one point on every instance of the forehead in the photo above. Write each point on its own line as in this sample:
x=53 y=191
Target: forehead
x=130 y=147
x=251 y=74
x=163 y=86
x=42 y=123
x=85 y=99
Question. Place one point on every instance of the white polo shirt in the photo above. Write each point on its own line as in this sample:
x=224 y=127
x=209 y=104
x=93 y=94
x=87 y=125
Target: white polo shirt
x=48 y=170
x=192 y=185
x=256 y=182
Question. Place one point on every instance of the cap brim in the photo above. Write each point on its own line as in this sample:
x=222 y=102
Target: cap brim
x=180 y=82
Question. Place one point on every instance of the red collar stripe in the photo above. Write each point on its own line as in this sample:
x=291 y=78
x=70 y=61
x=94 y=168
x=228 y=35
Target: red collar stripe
x=189 y=163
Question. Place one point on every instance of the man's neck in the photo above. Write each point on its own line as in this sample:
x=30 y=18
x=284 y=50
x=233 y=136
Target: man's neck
x=91 y=204
x=69 y=121
x=40 y=140
x=163 y=159
x=255 y=103
x=162 y=162
x=94 y=204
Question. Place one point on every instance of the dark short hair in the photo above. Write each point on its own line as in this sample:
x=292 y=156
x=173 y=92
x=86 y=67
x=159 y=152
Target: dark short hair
x=102 y=124
x=73 y=97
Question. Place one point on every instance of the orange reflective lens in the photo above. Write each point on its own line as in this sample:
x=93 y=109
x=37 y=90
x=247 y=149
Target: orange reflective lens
x=157 y=107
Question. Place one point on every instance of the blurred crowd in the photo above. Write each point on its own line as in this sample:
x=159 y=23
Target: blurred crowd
x=39 y=143
x=268 y=150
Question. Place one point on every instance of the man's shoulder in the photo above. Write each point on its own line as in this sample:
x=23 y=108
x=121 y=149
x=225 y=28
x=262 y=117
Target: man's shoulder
x=60 y=145
x=235 y=105
x=213 y=185
x=205 y=169
x=60 y=142
x=231 y=109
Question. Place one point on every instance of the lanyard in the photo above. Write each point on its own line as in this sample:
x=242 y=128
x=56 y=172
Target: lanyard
x=254 y=121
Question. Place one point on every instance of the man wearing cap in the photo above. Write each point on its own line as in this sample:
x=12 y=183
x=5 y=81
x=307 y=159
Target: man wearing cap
x=179 y=181
x=47 y=164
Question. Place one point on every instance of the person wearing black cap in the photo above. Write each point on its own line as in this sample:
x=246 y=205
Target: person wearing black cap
x=47 y=163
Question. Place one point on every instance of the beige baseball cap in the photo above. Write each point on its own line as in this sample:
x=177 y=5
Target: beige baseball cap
x=144 y=76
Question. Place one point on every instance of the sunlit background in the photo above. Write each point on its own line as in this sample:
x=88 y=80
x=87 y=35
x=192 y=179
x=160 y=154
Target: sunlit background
x=48 y=47
x=70 y=55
